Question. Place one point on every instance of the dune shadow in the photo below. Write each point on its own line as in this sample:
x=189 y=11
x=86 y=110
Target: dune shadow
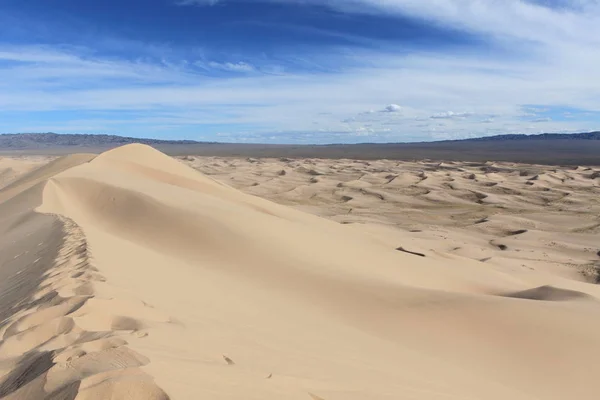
x=549 y=293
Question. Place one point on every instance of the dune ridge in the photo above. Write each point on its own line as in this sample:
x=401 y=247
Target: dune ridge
x=78 y=361
x=169 y=284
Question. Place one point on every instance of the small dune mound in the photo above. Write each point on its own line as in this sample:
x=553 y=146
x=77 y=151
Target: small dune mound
x=310 y=171
x=490 y=170
x=489 y=184
x=372 y=194
x=480 y=196
x=549 y=293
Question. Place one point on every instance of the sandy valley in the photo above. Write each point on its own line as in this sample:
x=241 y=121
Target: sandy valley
x=134 y=275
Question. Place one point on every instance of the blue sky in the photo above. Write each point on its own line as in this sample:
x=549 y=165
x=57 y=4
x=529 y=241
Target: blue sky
x=300 y=71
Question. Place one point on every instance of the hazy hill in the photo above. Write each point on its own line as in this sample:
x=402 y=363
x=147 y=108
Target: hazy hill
x=543 y=136
x=22 y=141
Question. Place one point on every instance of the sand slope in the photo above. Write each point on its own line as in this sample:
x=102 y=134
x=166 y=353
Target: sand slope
x=167 y=283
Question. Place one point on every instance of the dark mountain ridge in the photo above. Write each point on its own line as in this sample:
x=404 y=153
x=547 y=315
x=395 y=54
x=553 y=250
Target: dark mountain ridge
x=23 y=141
x=543 y=136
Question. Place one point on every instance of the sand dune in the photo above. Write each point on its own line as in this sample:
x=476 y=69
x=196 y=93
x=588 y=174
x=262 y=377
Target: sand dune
x=469 y=205
x=12 y=168
x=149 y=280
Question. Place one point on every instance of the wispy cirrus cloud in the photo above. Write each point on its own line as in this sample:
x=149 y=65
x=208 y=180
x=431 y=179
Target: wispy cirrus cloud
x=196 y=2
x=557 y=22
x=239 y=66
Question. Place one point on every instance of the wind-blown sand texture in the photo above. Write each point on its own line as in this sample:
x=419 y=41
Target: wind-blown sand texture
x=130 y=275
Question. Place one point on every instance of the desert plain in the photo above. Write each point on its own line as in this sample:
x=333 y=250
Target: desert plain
x=135 y=275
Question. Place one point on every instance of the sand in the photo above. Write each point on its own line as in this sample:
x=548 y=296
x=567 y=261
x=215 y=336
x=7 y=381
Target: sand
x=132 y=275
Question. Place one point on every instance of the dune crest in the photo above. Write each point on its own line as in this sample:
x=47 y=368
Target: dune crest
x=169 y=284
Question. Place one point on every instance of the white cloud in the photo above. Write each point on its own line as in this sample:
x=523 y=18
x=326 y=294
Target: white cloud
x=451 y=115
x=392 y=108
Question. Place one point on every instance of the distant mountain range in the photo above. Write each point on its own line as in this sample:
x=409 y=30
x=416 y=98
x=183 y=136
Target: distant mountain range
x=26 y=141
x=555 y=149
x=543 y=136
